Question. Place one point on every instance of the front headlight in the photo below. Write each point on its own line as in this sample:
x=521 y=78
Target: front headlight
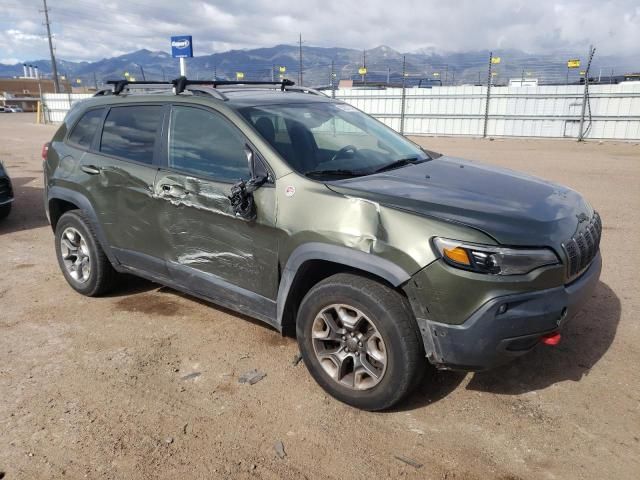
x=493 y=259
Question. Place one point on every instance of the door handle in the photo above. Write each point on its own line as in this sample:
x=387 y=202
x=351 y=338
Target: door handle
x=173 y=191
x=91 y=169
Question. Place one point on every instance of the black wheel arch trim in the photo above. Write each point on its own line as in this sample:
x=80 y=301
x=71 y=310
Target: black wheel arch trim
x=349 y=257
x=83 y=203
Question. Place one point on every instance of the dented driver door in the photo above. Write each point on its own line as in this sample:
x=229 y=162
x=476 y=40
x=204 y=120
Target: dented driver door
x=211 y=251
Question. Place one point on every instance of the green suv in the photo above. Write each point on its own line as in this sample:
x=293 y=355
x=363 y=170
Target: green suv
x=303 y=212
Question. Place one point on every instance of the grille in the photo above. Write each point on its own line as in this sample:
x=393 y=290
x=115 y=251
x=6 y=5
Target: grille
x=583 y=247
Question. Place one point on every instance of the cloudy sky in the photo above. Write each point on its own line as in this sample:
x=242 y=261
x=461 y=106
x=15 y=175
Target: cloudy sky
x=90 y=30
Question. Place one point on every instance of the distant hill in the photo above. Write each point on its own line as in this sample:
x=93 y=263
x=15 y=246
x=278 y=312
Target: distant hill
x=426 y=66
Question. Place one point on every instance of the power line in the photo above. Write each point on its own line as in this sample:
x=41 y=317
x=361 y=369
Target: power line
x=54 y=67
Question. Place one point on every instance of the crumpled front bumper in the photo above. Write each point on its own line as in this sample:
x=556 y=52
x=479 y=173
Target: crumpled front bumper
x=492 y=335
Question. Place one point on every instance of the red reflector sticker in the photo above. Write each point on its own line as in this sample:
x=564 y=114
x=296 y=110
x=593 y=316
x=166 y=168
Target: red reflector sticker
x=551 y=338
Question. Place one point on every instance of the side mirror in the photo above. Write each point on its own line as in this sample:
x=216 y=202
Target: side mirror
x=241 y=197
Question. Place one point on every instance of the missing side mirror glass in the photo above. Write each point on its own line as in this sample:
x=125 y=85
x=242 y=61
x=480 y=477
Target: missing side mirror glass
x=242 y=202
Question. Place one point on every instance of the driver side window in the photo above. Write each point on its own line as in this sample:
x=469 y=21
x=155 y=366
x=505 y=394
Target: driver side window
x=205 y=143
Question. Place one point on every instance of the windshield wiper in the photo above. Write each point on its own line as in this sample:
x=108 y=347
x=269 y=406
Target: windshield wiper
x=334 y=173
x=401 y=162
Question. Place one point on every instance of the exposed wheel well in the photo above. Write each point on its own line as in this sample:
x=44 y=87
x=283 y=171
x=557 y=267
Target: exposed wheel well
x=57 y=208
x=309 y=274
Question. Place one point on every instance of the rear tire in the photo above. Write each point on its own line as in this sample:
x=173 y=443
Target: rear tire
x=360 y=342
x=80 y=256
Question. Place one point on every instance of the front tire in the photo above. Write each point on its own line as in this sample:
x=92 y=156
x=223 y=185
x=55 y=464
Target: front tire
x=5 y=210
x=360 y=341
x=80 y=257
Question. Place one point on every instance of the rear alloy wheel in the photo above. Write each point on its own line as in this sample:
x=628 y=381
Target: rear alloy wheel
x=75 y=255
x=80 y=256
x=360 y=342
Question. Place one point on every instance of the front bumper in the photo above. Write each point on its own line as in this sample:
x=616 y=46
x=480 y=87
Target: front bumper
x=489 y=338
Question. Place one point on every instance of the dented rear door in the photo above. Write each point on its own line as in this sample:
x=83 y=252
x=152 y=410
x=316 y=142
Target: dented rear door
x=209 y=249
x=119 y=175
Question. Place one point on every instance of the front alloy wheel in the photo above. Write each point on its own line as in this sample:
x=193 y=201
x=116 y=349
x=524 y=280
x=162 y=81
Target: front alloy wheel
x=360 y=341
x=349 y=347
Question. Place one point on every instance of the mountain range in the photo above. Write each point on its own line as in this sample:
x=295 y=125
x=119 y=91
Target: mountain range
x=382 y=63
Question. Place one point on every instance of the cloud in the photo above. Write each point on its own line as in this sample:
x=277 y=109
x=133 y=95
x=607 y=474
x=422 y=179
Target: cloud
x=90 y=29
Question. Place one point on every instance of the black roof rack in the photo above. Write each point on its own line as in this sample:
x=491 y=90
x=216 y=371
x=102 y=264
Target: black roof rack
x=180 y=84
x=120 y=85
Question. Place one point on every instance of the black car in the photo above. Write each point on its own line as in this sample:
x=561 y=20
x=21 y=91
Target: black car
x=6 y=192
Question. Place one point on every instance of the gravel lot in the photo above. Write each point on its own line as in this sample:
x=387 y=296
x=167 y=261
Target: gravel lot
x=144 y=383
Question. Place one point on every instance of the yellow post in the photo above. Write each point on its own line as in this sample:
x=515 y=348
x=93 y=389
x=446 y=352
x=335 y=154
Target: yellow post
x=38 y=112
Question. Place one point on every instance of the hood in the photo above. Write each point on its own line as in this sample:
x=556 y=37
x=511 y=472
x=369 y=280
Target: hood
x=514 y=208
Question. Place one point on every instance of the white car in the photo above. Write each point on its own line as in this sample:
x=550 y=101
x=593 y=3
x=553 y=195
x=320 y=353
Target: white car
x=13 y=109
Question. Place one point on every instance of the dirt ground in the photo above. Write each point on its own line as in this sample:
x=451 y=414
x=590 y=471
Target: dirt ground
x=144 y=383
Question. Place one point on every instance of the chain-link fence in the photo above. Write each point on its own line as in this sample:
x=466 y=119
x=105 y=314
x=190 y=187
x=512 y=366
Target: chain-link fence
x=385 y=67
x=566 y=95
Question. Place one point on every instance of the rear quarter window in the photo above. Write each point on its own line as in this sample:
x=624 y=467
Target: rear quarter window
x=130 y=132
x=85 y=129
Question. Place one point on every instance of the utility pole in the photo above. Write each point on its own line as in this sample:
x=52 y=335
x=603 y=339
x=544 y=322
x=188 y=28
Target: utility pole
x=388 y=75
x=273 y=69
x=364 y=66
x=404 y=94
x=95 y=81
x=486 y=107
x=585 y=95
x=446 y=73
x=300 y=58
x=54 y=68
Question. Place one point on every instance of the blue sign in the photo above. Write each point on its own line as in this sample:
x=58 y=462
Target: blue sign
x=181 y=46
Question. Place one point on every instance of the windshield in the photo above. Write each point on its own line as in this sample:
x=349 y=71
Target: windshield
x=331 y=139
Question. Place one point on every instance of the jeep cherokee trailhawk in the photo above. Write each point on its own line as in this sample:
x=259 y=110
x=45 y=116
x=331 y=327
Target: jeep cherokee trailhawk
x=301 y=211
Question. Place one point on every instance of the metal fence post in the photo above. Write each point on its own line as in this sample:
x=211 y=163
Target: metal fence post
x=585 y=95
x=404 y=93
x=486 y=107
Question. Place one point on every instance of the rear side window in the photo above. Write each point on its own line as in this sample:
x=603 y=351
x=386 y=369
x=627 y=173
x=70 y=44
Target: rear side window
x=84 y=131
x=130 y=132
x=205 y=143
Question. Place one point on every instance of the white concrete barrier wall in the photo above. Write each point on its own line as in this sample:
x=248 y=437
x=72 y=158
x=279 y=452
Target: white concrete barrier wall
x=56 y=105
x=544 y=111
